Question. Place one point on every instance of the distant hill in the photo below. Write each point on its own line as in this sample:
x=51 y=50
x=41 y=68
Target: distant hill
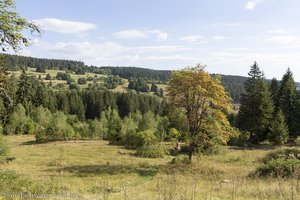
x=233 y=84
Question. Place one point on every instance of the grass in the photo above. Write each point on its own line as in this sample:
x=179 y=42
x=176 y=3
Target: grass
x=96 y=170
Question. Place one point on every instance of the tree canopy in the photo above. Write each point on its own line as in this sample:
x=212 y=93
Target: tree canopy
x=11 y=27
x=206 y=104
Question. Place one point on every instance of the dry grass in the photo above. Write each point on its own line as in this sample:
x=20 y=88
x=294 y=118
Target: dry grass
x=96 y=170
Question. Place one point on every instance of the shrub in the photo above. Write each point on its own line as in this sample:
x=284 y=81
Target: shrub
x=48 y=77
x=3 y=147
x=58 y=129
x=281 y=163
x=239 y=139
x=82 y=129
x=17 y=122
x=151 y=151
x=297 y=141
x=82 y=80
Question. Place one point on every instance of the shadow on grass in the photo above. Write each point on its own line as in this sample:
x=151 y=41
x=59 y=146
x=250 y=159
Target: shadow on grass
x=88 y=170
x=31 y=142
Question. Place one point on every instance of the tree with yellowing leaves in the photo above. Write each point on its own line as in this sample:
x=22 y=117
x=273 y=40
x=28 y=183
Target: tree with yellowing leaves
x=206 y=104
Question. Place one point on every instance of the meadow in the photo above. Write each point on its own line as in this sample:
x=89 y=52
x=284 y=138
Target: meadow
x=93 y=169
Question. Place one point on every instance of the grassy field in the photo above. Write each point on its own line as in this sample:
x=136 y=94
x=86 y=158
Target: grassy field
x=96 y=170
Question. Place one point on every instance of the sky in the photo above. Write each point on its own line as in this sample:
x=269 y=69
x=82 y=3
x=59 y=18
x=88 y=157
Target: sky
x=225 y=35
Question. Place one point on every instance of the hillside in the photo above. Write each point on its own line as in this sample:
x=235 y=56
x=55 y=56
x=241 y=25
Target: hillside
x=233 y=84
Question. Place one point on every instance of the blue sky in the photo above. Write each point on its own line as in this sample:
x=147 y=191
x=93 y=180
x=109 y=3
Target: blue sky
x=226 y=35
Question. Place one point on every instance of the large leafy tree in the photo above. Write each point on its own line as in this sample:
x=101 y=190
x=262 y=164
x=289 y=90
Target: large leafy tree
x=206 y=104
x=11 y=27
x=256 y=108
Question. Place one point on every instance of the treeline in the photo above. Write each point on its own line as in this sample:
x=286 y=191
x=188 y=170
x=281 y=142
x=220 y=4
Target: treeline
x=162 y=76
x=234 y=85
x=269 y=111
x=15 y=62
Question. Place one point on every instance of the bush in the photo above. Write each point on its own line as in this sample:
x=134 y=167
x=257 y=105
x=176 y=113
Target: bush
x=297 y=141
x=58 y=129
x=3 y=147
x=239 y=139
x=82 y=80
x=82 y=129
x=281 y=163
x=48 y=77
x=140 y=139
x=151 y=151
x=17 y=122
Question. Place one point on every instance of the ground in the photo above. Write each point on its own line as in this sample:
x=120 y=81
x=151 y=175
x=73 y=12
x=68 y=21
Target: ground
x=96 y=170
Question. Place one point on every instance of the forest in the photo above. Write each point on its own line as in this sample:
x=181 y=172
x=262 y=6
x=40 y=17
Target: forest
x=233 y=84
x=72 y=131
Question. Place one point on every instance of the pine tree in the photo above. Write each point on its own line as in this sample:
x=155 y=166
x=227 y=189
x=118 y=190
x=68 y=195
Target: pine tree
x=287 y=98
x=256 y=109
x=279 y=131
x=24 y=92
x=274 y=89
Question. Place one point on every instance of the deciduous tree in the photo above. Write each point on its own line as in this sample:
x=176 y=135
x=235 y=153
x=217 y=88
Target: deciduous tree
x=12 y=26
x=206 y=104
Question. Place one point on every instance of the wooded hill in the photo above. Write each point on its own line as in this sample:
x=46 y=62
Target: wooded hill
x=233 y=84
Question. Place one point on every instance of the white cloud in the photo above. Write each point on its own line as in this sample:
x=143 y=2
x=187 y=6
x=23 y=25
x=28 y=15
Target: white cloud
x=63 y=26
x=159 y=35
x=159 y=48
x=250 y=5
x=219 y=37
x=280 y=31
x=284 y=39
x=131 y=34
x=191 y=38
x=142 y=34
x=227 y=24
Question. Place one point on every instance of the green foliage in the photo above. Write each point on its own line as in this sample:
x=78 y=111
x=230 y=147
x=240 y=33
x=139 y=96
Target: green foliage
x=286 y=100
x=82 y=80
x=239 y=139
x=4 y=149
x=297 y=141
x=58 y=129
x=82 y=129
x=147 y=122
x=274 y=89
x=12 y=27
x=279 y=131
x=114 y=125
x=162 y=127
x=24 y=92
x=152 y=151
x=95 y=129
x=206 y=104
x=139 y=85
x=173 y=133
x=64 y=76
x=48 y=77
x=111 y=82
x=18 y=122
x=281 y=163
x=256 y=108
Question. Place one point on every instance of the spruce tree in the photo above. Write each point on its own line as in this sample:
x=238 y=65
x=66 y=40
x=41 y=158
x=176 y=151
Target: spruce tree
x=279 y=131
x=274 y=89
x=256 y=109
x=24 y=92
x=286 y=99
